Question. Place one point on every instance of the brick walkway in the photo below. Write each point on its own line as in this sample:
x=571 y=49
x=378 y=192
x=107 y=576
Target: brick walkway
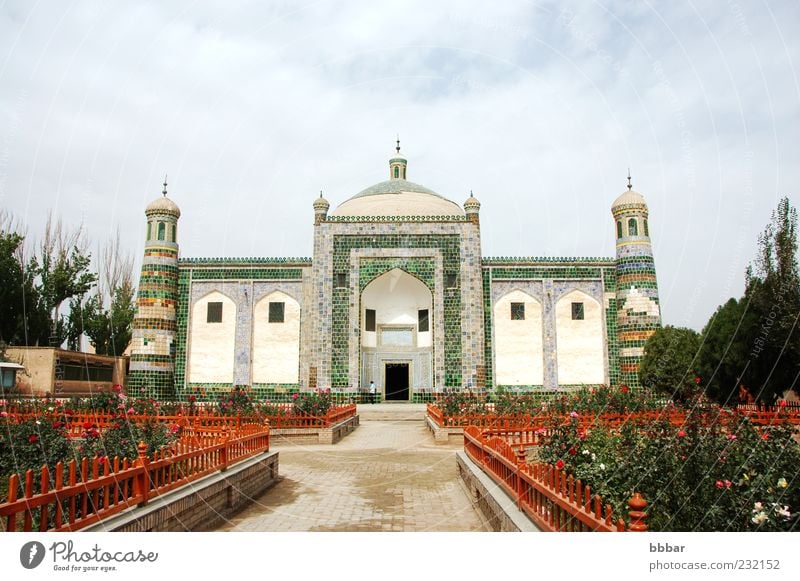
x=385 y=476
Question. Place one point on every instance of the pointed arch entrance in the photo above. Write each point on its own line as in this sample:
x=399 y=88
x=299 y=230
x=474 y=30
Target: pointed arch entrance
x=396 y=322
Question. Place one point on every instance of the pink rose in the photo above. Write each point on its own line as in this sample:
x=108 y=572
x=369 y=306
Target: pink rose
x=681 y=434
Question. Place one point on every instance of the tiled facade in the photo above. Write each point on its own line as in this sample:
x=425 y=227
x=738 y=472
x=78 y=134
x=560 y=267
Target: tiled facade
x=442 y=251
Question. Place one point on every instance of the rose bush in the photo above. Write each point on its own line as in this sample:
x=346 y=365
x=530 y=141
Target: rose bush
x=704 y=476
x=316 y=403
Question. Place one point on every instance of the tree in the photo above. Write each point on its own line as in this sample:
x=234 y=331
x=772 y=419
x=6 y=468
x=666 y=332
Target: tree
x=23 y=317
x=669 y=362
x=11 y=312
x=755 y=341
x=723 y=361
x=773 y=292
x=61 y=269
x=109 y=328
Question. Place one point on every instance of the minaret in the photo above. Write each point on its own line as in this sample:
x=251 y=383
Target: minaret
x=321 y=206
x=398 y=164
x=638 y=308
x=472 y=208
x=154 y=326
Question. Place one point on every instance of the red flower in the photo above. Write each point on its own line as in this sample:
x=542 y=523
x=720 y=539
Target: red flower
x=87 y=425
x=782 y=403
x=33 y=438
x=118 y=388
x=719 y=484
x=573 y=451
x=765 y=436
x=697 y=380
x=728 y=484
x=560 y=464
x=57 y=425
x=624 y=389
x=68 y=412
x=681 y=434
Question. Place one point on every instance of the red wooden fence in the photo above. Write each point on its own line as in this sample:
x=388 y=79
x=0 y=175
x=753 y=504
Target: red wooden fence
x=75 y=422
x=759 y=417
x=83 y=493
x=554 y=501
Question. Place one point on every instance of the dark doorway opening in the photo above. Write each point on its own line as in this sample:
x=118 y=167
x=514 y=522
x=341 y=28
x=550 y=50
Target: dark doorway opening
x=396 y=382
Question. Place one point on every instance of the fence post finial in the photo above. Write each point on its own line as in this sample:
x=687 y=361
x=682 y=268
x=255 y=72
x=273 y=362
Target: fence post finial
x=637 y=504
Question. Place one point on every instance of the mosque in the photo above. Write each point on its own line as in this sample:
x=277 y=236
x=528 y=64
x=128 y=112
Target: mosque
x=397 y=293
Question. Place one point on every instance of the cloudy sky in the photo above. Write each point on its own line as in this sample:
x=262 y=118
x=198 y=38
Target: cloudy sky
x=538 y=107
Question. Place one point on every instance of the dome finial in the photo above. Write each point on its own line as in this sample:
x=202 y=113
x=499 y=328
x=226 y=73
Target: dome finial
x=398 y=143
x=165 y=186
x=630 y=186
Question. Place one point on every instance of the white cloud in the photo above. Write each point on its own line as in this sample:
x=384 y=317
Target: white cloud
x=538 y=108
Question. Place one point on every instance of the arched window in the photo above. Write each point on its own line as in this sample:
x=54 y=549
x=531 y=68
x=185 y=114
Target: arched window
x=646 y=229
x=149 y=230
x=633 y=228
x=161 y=229
x=396 y=172
x=619 y=228
x=404 y=173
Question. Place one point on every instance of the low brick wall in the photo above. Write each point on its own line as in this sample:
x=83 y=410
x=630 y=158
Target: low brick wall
x=202 y=504
x=316 y=435
x=499 y=509
x=442 y=435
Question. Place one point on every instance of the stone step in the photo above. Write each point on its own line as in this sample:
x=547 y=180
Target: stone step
x=391 y=412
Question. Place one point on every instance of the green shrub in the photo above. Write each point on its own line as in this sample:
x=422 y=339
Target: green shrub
x=316 y=403
x=704 y=476
x=235 y=402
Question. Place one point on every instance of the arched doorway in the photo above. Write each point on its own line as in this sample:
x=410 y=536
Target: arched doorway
x=396 y=335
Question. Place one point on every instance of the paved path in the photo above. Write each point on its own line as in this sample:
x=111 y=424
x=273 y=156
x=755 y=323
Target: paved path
x=385 y=476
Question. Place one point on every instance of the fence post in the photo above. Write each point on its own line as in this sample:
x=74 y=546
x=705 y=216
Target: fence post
x=522 y=459
x=223 y=455
x=141 y=483
x=637 y=504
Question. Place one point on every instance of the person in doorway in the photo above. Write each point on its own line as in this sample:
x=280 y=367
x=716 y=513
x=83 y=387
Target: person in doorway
x=372 y=391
